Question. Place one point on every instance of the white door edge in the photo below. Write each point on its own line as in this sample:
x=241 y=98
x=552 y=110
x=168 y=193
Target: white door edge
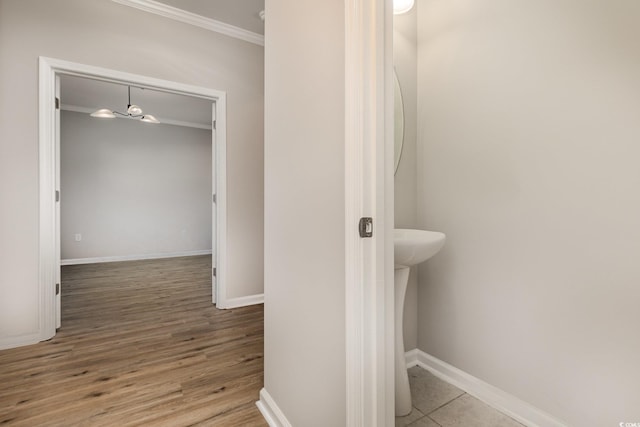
x=214 y=217
x=58 y=280
x=369 y=193
x=221 y=294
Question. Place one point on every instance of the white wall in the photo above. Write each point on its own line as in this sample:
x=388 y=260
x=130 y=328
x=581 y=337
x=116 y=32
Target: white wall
x=405 y=40
x=528 y=148
x=304 y=211
x=131 y=189
x=106 y=34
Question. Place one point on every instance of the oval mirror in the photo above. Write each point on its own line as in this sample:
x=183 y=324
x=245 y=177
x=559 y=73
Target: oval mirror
x=398 y=123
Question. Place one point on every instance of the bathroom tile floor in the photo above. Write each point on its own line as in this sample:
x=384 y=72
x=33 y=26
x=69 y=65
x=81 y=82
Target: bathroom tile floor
x=437 y=403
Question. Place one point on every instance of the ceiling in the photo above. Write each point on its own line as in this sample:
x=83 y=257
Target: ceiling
x=86 y=94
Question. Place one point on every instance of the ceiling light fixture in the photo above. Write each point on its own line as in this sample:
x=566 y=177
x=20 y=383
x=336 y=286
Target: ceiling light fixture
x=133 y=112
x=402 y=6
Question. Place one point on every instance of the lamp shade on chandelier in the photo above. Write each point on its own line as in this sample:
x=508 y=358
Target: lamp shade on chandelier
x=133 y=112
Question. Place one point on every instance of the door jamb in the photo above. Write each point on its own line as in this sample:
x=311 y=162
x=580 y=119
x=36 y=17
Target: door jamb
x=48 y=69
x=369 y=297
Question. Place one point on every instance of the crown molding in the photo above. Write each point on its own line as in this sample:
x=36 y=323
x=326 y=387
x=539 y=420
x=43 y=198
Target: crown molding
x=190 y=18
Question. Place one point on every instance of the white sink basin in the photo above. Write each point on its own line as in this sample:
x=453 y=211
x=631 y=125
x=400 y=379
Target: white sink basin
x=412 y=247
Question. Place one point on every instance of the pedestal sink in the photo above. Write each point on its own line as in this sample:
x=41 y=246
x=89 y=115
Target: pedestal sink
x=411 y=247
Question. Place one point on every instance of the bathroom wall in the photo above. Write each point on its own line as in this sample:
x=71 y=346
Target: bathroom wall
x=528 y=148
x=110 y=35
x=304 y=319
x=405 y=39
x=133 y=189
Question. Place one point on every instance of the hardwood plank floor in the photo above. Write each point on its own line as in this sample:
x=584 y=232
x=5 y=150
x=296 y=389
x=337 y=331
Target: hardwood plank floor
x=140 y=345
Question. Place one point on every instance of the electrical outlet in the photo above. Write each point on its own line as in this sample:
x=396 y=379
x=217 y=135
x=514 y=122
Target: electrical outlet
x=78 y=237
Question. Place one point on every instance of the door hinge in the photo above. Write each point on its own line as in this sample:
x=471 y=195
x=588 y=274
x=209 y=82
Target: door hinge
x=365 y=227
x=214 y=272
x=213 y=124
x=214 y=198
x=57 y=195
x=57 y=288
x=57 y=103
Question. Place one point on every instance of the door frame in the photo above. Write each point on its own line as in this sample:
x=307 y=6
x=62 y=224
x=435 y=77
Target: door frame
x=49 y=68
x=369 y=192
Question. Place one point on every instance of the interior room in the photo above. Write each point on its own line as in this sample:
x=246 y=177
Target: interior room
x=131 y=189
x=431 y=216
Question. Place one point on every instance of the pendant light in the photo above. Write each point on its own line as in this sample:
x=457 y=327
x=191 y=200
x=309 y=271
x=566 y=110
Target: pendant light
x=133 y=112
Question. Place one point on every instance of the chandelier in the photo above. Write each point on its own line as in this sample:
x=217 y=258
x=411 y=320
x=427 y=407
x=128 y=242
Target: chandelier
x=133 y=112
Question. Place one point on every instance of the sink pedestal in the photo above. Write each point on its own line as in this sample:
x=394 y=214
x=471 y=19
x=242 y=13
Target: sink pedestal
x=403 y=392
x=410 y=247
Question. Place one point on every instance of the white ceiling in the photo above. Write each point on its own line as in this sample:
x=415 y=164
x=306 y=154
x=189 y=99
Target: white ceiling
x=93 y=94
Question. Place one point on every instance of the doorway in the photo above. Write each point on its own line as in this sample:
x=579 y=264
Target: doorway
x=50 y=72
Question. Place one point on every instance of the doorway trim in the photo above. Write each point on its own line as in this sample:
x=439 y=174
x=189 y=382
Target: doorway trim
x=369 y=294
x=49 y=68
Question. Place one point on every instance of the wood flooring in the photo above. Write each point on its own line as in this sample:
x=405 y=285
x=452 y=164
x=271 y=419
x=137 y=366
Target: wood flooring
x=140 y=345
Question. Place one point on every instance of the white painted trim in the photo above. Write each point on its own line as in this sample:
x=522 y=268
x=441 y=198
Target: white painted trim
x=58 y=245
x=411 y=358
x=368 y=192
x=136 y=257
x=194 y=19
x=163 y=121
x=270 y=411
x=385 y=185
x=244 y=301
x=47 y=216
x=221 y=201
x=59 y=66
x=502 y=401
x=356 y=364
x=214 y=209
x=49 y=68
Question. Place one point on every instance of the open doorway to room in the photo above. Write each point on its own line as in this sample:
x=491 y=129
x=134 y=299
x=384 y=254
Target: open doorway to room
x=134 y=185
x=164 y=353
x=91 y=88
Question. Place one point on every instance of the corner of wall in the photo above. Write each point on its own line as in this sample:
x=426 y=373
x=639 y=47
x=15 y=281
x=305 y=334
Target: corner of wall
x=272 y=414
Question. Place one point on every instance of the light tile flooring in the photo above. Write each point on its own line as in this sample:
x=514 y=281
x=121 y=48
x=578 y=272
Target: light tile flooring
x=438 y=403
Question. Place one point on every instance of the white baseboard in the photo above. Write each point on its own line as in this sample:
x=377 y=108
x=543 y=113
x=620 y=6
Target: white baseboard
x=411 y=357
x=138 y=257
x=243 y=301
x=270 y=411
x=504 y=402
